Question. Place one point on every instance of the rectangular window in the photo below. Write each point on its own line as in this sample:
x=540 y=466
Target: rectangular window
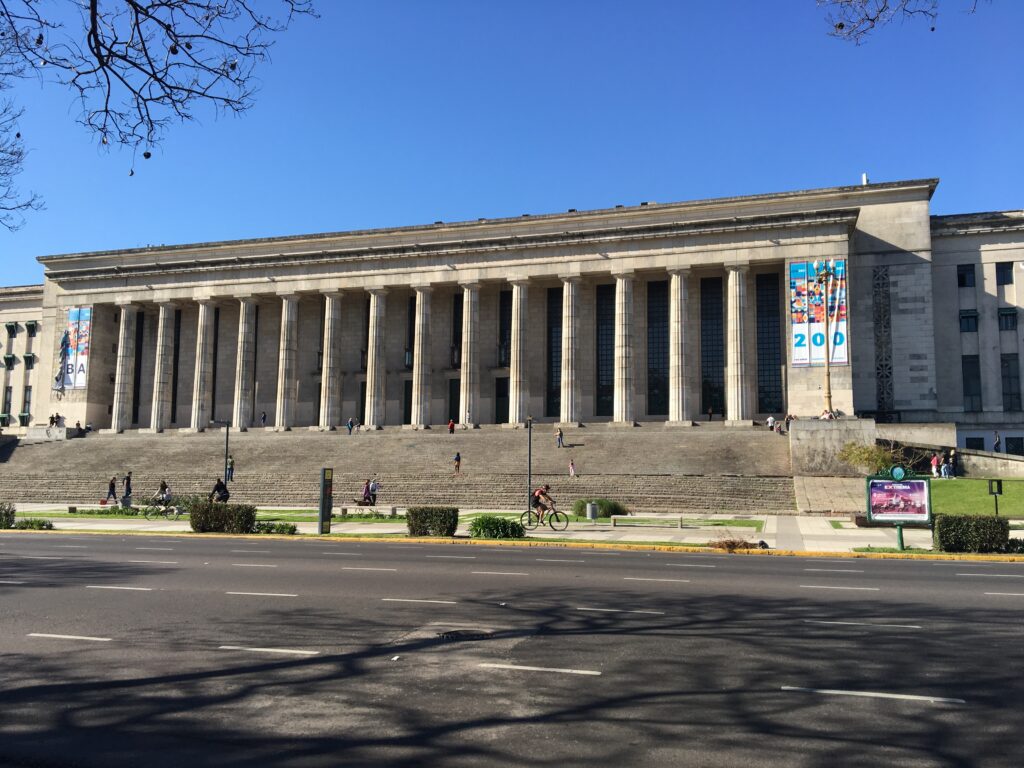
x=1004 y=273
x=26 y=406
x=175 y=360
x=1015 y=445
x=140 y=335
x=712 y=346
x=553 y=391
x=657 y=348
x=501 y=400
x=30 y=361
x=454 y=398
x=8 y=399
x=769 y=345
x=971 y=371
x=456 y=350
x=974 y=443
x=1008 y=319
x=31 y=327
x=410 y=332
x=604 y=391
x=1010 y=367
x=407 y=401
x=965 y=275
x=968 y=321
x=504 y=330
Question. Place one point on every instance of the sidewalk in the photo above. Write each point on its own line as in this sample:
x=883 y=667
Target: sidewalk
x=789 y=532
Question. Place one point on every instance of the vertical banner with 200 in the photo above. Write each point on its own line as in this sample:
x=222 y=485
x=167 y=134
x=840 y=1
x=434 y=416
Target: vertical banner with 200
x=807 y=307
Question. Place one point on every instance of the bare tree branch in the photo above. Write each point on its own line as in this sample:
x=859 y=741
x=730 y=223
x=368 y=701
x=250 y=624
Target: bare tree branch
x=854 y=20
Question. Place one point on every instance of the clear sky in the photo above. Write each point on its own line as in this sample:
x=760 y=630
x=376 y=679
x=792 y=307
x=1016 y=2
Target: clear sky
x=397 y=112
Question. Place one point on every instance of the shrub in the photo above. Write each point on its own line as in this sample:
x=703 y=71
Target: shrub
x=731 y=545
x=1015 y=547
x=964 y=533
x=432 y=521
x=211 y=516
x=185 y=503
x=288 y=529
x=33 y=524
x=6 y=515
x=605 y=507
x=494 y=527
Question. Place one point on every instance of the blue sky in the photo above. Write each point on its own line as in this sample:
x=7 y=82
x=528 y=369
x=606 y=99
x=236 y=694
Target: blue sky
x=397 y=112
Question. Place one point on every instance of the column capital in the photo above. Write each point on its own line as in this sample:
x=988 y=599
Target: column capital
x=205 y=301
x=473 y=285
x=289 y=296
x=168 y=304
x=423 y=288
x=625 y=274
x=377 y=291
x=570 y=278
x=522 y=282
x=681 y=271
x=739 y=267
x=334 y=293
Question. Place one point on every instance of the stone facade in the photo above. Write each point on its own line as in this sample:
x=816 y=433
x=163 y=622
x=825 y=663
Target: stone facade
x=652 y=313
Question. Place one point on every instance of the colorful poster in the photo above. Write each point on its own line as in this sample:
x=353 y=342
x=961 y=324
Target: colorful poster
x=905 y=501
x=807 y=307
x=73 y=350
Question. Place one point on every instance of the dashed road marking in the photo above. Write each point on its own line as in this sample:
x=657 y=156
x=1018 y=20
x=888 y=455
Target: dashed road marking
x=690 y=565
x=639 y=578
x=995 y=575
x=499 y=573
x=822 y=586
x=621 y=610
x=414 y=600
x=157 y=549
x=452 y=557
x=553 y=560
x=70 y=637
x=554 y=670
x=1005 y=594
x=253 y=565
x=358 y=568
x=874 y=695
x=289 y=651
x=263 y=594
x=155 y=562
x=126 y=589
x=834 y=570
x=863 y=624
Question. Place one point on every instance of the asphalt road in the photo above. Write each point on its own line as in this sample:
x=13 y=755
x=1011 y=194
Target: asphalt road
x=174 y=651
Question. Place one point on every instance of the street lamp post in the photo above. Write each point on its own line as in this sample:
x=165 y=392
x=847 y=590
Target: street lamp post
x=825 y=272
x=227 y=438
x=529 y=461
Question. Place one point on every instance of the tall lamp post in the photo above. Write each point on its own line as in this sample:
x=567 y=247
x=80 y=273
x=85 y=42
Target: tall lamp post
x=227 y=437
x=529 y=461
x=825 y=273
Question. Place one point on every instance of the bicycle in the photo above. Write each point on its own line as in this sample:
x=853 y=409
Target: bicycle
x=558 y=521
x=165 y=512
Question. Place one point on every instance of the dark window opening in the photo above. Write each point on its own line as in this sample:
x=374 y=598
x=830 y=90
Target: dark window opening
x=1004 y=273
x=965 y=275
x=1008 y=319
x=407 y=401
x=140 y=336
x=1015 y=445
x=213 y=367
x=971 y=371
x=410 y=332
x=504 y=329
x=1010 y=369
x=175 y=359
x=501 y=400
x=968 y=321
x=769 y=345
x=712 y=346
x=657 y=348
x=454 y=399
x=604 y=390
x=974 y=443
x=553 y=390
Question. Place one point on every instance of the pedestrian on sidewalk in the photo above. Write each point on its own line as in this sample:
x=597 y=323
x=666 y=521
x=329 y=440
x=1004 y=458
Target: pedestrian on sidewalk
x=997 y=443
x=263 y=419
x=559 y=438
x=127 y=489
x=374 y=488
x=711 y=413
x=457 y=461
x=935 y=464
x=770 y=422
x=112 y=489
x=954 y=463
x=230 y=476
x=451 y=426
x=366 y=491
x=350 y=424
x=572 y=468
x=944 y=468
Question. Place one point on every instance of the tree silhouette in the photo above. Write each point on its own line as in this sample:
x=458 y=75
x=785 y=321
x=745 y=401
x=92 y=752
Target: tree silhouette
x=854 y=20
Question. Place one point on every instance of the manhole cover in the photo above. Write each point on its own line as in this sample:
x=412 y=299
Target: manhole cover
x=460 y=635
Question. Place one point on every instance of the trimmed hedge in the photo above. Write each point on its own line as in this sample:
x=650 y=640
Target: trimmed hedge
x=33 y=524
x=213 y=517
x=288 y=529
x=432 y=521
x=6 y=515
x=1015 y=547
x=605 y=507
x=965 y=533
x=494 y=527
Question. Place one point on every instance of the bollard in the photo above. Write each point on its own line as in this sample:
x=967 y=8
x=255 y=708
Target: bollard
x=591 y=511
x=899 y=537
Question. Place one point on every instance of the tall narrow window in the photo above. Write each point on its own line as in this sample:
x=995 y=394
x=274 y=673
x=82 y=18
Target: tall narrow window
x=1010 y=366
x=504 y=328
x=769 y=345
x=553 y=391
x=604 y=400
x=456 y=350
x=1008 y=319
x=971 y=371
x=1004 y=273
x=712 y=346
x=968 y=321
x=175 y=359
x=140 y=341
x=8 y=399
x=410 y=332
x=965 y=275
x=26 y=405
x=657 y=348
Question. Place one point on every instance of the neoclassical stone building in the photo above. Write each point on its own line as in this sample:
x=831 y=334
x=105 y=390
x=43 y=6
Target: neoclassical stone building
x=646 y=313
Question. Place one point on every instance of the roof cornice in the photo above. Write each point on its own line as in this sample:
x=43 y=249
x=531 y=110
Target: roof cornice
x=977 y=223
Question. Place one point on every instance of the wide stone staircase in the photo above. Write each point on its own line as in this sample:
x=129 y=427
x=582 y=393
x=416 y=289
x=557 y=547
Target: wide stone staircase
x=649 y=468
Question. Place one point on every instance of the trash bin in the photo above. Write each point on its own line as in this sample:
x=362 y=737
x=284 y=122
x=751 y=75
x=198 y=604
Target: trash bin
x=591 y=511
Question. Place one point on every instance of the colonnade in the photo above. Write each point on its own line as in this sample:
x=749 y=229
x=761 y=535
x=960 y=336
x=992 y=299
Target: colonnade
x=681 y=399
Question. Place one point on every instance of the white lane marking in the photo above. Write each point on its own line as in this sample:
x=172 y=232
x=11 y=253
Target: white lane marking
x=127 y=589
x=834 y=570
x=875 y=695
x=599 y=552
x=819 y=586
x=157 y=549
x=412 y=600
x=541 y=669
x=155 y=562
x=351 y=554
x=358 y=568
x=293 y=651
x=621 y=610
x=263 y=594
x=70 y=637
x=499 y=573
x=690 y=565
x=995 y=575
x=39 y=557
x=5 y=581
x=253 y=565
x=552 y=560
x=863 y=624
x=638 y=578
x=452 y=557
x=249 y=552
x=1006 y=594
x=70 y=546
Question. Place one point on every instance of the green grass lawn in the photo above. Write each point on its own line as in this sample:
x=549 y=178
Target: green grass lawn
x=964 y=496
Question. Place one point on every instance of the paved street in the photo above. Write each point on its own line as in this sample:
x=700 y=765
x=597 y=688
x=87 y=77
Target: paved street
x=162 y=651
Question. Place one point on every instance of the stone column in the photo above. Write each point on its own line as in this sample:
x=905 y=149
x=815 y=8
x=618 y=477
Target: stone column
x=287 y=364
x=469 y=381
x=374 y=416
x=124 y=378
x=570 y=383
x=160 y=418
x=241 y=411
x=623 y=411
x=330 y=374
x=677 y=297
x=203 y=381
x=518 y=382
x=737 y=405
x=421 y=362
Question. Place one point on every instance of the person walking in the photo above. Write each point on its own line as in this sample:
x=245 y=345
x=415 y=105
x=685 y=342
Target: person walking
x=572 y=468
x=559 y=438
x=374 y=488
x=935 y=464
x=112 y=489
x=366 y=491
x=944 y=468
x=263 y=419
x=126 y=497
x=457 y=461
x=350 y=424
x=997 y=443
x=711 y=413
x=954 y=463
x=230 y=475
x=770 y=422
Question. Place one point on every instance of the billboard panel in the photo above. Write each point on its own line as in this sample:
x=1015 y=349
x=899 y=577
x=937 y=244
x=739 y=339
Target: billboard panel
x=807 y=307
x=902 y=501
x=73 y=352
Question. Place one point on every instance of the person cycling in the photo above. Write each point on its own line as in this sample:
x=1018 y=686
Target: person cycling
x=163 y=496
x=542 y=501
x=220 y=492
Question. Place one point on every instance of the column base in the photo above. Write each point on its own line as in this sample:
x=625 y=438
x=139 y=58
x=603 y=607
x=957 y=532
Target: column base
x=282 y=429
x=151 y=431
x=682 y=423
x=469 y=426
x=622 y=424
x=371 y=427
x=415 y=427
x=570 y=424
x=190 y=430
x=516 y=425
x=738 y=423
x=109 y=431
